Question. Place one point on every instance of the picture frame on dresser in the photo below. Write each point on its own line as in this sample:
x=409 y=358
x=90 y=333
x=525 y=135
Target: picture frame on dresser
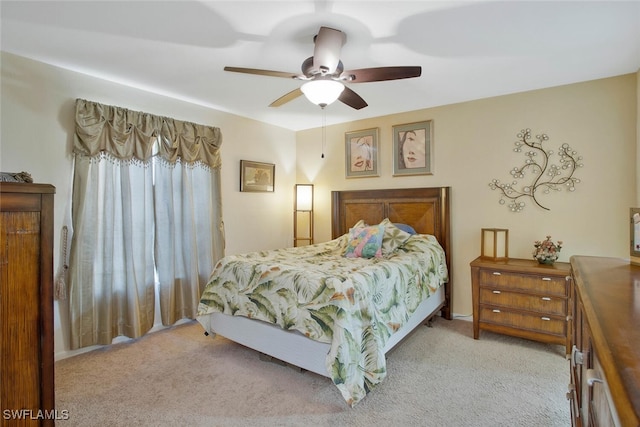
x=634 y=236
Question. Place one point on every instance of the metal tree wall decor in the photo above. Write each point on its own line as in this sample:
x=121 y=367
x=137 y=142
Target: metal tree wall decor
x=545 y=176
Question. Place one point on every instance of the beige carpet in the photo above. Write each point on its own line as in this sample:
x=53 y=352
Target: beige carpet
x=440 y=376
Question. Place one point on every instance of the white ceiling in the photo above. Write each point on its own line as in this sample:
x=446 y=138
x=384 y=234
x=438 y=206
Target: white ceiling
x=467 y=50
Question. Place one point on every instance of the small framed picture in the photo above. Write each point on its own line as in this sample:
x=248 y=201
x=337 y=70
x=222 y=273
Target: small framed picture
x=257 y=176
x=413 y=149
x=361 y=153
x=634 y=253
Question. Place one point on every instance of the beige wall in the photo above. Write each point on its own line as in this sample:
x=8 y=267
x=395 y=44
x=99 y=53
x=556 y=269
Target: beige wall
x=37 y=124
x=473 y=144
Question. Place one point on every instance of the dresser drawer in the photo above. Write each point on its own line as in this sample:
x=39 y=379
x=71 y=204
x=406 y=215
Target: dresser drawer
x=602 y=411
x=526 y=321
x=543 y=284
x=542 y=304
x=521 y=298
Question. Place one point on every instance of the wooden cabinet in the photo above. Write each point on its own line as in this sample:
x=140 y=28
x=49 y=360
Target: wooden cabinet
x=605 y=358
x=522 y=298
x=26 y=304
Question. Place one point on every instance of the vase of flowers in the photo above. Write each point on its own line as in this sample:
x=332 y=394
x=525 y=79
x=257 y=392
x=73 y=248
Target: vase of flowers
x=546 y=252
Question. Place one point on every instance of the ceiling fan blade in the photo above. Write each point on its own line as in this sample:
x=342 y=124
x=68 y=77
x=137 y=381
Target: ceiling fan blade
x=352 y=99
x=262 y=72
x=326 y=53
x=286 y=98
x=380 y=74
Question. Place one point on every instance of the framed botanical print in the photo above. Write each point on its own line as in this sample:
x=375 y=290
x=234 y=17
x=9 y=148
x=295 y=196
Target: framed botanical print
x=413 y=149
x=361 y=153
x=257 y=176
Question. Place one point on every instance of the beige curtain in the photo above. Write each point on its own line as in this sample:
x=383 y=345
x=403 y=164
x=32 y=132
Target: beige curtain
x=146 y=200
x=187 y=214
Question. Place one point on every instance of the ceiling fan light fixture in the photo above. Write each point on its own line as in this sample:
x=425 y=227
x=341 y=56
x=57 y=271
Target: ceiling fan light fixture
x=324 y=76
x=322 y=92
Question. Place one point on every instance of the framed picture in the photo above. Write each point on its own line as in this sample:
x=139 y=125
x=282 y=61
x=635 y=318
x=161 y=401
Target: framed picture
x=361 y=153
x=413 y=149
x=256 y=176
x=634 y=254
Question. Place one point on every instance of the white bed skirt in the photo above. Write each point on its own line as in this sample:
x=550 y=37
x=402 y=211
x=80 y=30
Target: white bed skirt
x=293 y=347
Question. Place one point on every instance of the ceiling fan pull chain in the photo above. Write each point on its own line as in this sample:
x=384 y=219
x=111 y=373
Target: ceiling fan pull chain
x=324 y=131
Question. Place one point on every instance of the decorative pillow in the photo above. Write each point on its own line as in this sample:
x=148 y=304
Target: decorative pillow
x=360 y=224
x=405 y=227
x=365 y=242
x=393 y=237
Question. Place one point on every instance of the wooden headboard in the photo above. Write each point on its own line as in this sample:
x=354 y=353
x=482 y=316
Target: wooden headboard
x=425 y=209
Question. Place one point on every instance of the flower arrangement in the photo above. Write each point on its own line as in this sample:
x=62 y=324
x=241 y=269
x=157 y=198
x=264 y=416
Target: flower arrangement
x=546 y=252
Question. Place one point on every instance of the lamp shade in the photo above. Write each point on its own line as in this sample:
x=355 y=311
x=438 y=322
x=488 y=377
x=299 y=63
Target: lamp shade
x=304 y=197
x=495 y=243
x=322 y=92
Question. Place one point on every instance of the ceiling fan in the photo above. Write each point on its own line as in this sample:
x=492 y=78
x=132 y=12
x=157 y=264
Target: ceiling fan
x=324 y=75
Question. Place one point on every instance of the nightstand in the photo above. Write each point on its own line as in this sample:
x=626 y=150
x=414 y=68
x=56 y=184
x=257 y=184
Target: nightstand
x=522 y=298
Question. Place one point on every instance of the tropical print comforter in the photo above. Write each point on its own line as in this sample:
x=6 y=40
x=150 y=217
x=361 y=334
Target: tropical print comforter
x=354 y=304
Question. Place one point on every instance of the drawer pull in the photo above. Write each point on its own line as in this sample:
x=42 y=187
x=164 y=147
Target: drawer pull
x=545 y=318
x=496 y=273
x=496 y=311
x=497 y=292
x=592 y=378
x=548 y=279
x=546 y=299
x=576 y=356
x=571 y=391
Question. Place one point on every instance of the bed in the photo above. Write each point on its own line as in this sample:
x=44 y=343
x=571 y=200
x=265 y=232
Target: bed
x=346 y=318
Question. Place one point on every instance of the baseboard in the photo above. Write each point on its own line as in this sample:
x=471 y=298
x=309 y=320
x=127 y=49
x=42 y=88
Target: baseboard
x=117 y=340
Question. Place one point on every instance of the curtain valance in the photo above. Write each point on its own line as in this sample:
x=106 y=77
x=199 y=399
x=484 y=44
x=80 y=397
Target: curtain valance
x=190 y=142
x=127 y=135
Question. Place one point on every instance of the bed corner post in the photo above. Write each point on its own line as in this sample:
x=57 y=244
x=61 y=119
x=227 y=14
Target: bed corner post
x=445 y=215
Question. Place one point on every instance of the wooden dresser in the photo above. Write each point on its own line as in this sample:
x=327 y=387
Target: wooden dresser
x=522 y=298
x=605 y=358
x=26 y=304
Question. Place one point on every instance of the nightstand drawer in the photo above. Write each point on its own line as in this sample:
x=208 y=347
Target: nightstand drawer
x=522 y=298
x=530 y=322
x=540 y=303
x=543 y=284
